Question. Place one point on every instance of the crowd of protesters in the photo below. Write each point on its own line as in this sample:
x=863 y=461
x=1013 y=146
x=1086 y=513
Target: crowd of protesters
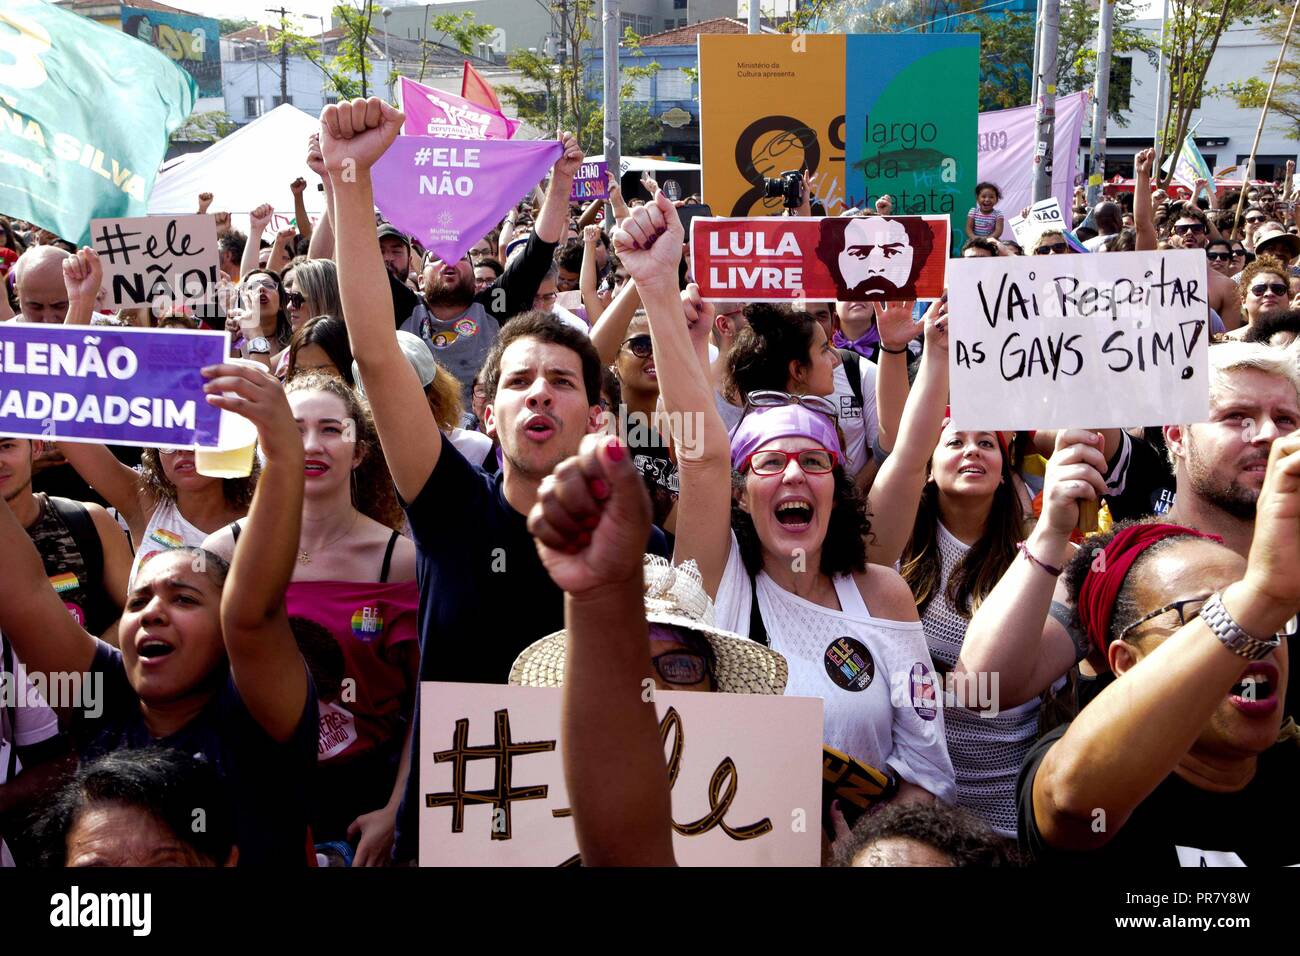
x=477 y=471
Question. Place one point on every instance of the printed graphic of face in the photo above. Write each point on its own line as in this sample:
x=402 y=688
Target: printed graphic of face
x=875 y=258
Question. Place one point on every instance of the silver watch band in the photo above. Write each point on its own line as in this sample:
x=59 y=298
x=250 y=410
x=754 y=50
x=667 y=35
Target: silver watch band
x=1217 y=618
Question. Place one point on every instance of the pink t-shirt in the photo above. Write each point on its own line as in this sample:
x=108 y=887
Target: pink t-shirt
x=361 y=644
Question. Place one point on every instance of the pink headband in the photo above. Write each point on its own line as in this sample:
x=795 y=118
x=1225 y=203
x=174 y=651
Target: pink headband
x=763 y=425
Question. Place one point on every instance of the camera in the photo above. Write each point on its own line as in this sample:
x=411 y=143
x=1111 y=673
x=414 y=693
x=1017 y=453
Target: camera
x=789 y=187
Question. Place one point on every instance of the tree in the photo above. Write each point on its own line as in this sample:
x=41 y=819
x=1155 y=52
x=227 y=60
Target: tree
x=563 y=100
x=227 y=27
x=1284 y=107
x=346 y=71
x=1193 y=29
x=205 y=127
x=351 y=55
x=1006 y=41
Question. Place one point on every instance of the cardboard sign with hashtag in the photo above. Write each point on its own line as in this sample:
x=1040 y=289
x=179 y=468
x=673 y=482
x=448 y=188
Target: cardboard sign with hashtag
x=160 y=261
x=492 y=789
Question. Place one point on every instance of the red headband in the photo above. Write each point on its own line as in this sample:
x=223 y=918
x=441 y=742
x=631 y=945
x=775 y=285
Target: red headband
x=1100 y=589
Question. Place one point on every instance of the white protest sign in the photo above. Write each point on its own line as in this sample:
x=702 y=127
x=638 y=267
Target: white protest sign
x=1100 y=341
x=748 y=789
x=1044 y=215
x=152 y=258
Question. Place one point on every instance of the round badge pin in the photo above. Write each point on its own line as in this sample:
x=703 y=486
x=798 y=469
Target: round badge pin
x=849 y=664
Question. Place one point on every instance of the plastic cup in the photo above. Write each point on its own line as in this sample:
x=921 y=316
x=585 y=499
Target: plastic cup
x=236 y=443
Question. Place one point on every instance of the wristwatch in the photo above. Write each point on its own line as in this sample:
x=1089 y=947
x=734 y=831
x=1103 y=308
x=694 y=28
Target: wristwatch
x=259 y=346
x=1217 y=618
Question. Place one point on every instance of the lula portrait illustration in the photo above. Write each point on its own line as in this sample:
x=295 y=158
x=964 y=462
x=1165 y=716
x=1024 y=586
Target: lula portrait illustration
x=876 y=257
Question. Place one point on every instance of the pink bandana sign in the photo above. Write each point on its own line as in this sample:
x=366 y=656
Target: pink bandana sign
x=431 y=112
x=450 y=194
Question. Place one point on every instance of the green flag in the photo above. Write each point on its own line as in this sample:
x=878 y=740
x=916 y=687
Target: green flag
x=85 y=112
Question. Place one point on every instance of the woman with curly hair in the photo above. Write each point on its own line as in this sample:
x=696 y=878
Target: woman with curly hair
x=353 y=588
x=786 y=559
x=166 y=503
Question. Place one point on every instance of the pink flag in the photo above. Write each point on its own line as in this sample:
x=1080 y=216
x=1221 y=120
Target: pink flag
x=431 y=112
x=449 y=194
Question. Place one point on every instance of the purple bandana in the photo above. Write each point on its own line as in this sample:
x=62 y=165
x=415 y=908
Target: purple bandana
x=763 y=425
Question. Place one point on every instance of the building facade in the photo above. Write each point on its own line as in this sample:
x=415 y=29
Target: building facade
x=1223 y=131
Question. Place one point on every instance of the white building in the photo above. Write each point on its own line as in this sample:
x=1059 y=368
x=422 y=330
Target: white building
x=1226 y=131
x=251 y=72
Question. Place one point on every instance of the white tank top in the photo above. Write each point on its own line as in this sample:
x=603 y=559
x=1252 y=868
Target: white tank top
x=875 y=676
x=167 y=529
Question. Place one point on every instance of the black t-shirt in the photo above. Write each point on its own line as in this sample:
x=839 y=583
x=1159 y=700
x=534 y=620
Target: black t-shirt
x=267 y=784
x=659 y=472
x=1139 y=478
x=1183 y=825
x=484 y=593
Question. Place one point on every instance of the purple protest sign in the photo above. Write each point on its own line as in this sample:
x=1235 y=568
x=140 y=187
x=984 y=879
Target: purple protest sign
x=449 y=195
x=115 y=386
x=431 y=112
x=590 y=182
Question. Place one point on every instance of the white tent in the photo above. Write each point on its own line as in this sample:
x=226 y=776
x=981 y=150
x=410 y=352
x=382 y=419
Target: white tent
x=639 y=164
x=253 y=165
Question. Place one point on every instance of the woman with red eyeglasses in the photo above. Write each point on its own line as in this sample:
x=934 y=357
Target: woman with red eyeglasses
x=786 y=558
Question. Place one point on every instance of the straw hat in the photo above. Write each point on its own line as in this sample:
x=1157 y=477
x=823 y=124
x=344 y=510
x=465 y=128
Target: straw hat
x=674 y=596
x=1279 y=242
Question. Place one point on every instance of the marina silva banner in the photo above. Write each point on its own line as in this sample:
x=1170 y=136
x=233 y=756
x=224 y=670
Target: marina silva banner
x=108 y=385
x=85 y=113
x=833 y=258
x=591 y=182
x=1078 y=341
x=431 y=112
x=449 y=194
x=492 y=789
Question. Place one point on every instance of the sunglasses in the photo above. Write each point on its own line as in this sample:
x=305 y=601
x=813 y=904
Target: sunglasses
x=640 y=345
x=169 y=452
x=1255 y=220
x=1189 y=609
x=295 y=300
x=770 y=398
x=681 y=667
x=1238 y=253
x=1277 y=288
x=1055 y=249
x=1195 y=228
x=813 y=461
x=1220 y=256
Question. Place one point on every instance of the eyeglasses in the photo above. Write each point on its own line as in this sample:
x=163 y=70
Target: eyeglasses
x=1220 y=256
x=813 y=461
x=548 y=297
x=1055 y=249
x=1195 y=228
x=1277 y=288
x=681 y=667
x=169 y=452
x=1189 y=609
x=640 y=345
x=295 y=300
x=770 y=398
x=1254 y=220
